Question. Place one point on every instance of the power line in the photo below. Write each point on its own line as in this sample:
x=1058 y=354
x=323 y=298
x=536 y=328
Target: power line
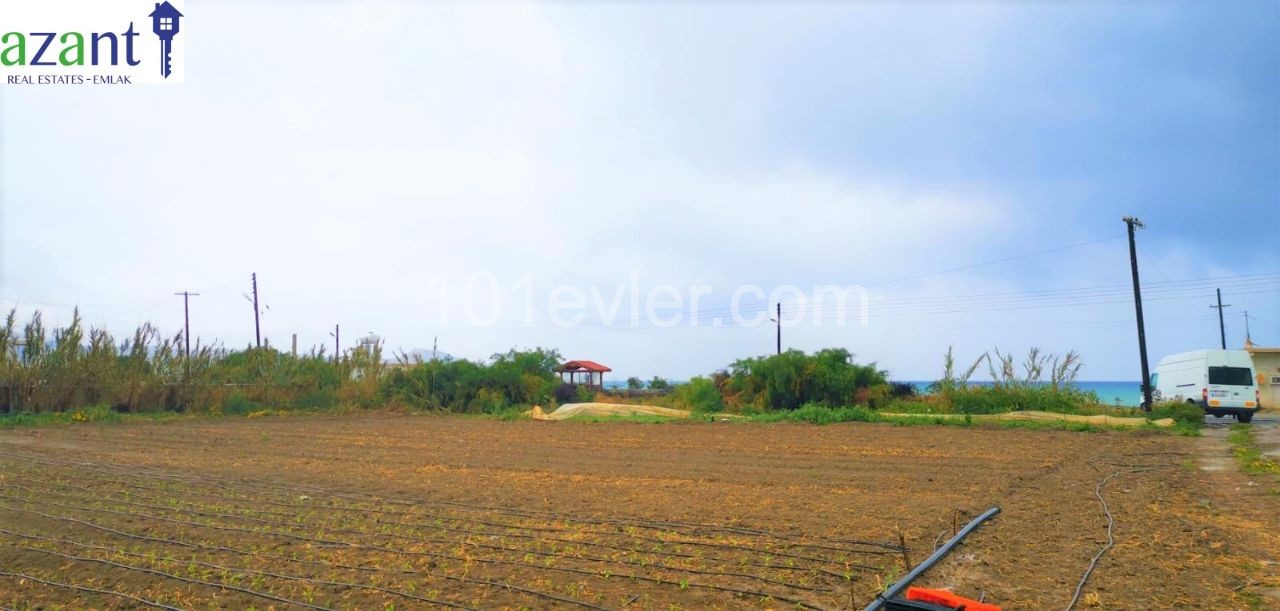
x=997 y=261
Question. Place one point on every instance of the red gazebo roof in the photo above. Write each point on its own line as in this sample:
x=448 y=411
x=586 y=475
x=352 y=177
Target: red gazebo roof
x=591 y=366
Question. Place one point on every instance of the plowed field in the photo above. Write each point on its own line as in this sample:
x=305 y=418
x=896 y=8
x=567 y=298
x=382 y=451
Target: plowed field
x=379 y=512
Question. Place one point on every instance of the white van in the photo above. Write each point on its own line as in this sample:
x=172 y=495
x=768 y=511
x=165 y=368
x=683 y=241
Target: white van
x=1220 y=381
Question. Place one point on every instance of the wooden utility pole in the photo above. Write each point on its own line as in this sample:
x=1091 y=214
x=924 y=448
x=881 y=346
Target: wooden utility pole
x=295 y=345
x=1222 y=325
x=337 y=344
x=1137 y=304
x=186 y=333
x=257 y=326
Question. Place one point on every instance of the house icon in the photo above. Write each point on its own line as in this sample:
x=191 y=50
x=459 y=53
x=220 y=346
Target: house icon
x=165 y=22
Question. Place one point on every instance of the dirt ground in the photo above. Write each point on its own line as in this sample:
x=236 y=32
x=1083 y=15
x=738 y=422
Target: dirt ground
x=404 y=512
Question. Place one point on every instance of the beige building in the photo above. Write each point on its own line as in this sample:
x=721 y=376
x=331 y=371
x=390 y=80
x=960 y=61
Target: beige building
x=1266 y=364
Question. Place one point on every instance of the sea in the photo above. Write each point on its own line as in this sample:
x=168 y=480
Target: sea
x=1127 y=394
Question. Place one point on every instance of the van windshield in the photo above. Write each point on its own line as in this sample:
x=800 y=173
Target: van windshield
x=1231 y=376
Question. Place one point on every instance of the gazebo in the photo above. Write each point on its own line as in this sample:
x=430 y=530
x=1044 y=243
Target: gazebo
x=594 y=373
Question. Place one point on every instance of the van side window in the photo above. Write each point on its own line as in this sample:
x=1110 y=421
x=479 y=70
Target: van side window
x=1231 y=376
x=1155 y=379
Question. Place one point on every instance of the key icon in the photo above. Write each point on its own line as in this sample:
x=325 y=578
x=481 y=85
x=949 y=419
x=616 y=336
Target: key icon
x=164 y=22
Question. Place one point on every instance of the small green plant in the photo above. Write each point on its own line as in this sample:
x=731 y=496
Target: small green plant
x=818 y=414
x=1248 y=455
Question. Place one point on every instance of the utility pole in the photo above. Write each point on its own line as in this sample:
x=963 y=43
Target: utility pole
x=779 y=320
x=337 y=346
x=186 y=334
x=1137 y=304
x=1222 y=326
x=257 y=326
x=1247 y=338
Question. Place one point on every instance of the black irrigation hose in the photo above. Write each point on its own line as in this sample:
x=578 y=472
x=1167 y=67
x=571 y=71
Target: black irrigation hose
x=55 y=584
x=241 y=552
x=657 y=580
x=340 y=584
x=900 y=585
x=221 y=586
x=1111 y=541
x=442 y=542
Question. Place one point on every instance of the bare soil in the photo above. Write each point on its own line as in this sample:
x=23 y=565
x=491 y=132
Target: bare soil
x=382 y=511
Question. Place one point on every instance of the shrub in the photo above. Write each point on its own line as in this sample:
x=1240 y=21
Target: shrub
x=1183 y=413
x=566 y=393
x=700 y=395
x=316 y=399
x=240 y=405
x=490 y=401
x=792 y=379
x=902 y=390
x=997 y=398
x=813 y=413
x=904 y=406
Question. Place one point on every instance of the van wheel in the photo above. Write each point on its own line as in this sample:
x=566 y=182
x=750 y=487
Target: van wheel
x=1244 y=417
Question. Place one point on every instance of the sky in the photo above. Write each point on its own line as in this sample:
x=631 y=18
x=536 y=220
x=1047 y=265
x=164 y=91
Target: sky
x=440 y=172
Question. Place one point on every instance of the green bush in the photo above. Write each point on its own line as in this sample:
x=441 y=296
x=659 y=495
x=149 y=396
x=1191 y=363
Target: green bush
x=998 y=398
x=792 y=379
x=512 y=378
x=240 y=405
x=1183 y=413
x=316 y=399
x=699 y=395
x=905 y=406
x=813 y=413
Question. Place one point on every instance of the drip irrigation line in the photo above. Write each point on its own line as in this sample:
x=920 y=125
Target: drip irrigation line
x=340 y=584
x=650 y=524
x=1111 y=541
x=240 y=552
x=55 y=584
x=220 y=586
x=658 y=580
x=433 y=527
x=847 y=565
x=448 y=542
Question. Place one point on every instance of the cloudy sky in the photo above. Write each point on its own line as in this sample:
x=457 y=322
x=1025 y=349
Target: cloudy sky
x=385 y=166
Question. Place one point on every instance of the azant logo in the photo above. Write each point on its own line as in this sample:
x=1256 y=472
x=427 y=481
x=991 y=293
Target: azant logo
x=49 y=43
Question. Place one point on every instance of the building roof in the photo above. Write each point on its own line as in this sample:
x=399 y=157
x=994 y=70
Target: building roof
x=591 y=366
x=1256 y=349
